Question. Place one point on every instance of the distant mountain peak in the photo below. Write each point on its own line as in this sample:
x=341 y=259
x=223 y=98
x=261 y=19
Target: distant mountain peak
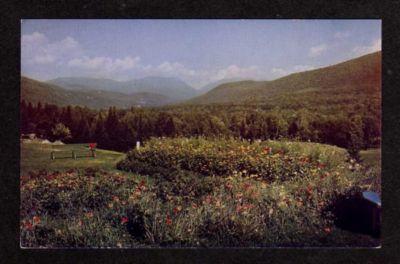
x=172 y=87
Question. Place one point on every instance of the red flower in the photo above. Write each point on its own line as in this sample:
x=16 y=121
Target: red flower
x=141 y=184
x=92 y=145
x=229 y=186
x=28 y=225
x=124 y=220
x=309 y=190
x=327 y=230
x=247 y=186
x=168 y=220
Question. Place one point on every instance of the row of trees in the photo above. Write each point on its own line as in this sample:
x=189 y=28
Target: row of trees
x=120 y=129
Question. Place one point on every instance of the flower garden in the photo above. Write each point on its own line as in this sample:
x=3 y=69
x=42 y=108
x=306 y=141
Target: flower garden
x=196 y=193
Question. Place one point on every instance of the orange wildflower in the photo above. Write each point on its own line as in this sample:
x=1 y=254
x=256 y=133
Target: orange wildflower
x=267 y=150
x=36 y=220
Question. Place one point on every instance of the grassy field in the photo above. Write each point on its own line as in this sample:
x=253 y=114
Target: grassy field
x=36 y=156
x=371 y=157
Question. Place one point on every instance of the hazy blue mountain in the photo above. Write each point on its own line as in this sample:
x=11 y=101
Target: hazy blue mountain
x=168 y=86
x=35 y=91
x=84 y=83
x=173 y=88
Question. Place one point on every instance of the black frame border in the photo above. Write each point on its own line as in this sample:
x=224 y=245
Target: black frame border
x=14 y=11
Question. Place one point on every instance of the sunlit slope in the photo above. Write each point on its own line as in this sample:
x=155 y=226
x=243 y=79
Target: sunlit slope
x=358 y=76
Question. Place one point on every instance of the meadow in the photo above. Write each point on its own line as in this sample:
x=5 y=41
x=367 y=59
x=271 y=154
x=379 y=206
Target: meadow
x=191 y=192
x=35 y=156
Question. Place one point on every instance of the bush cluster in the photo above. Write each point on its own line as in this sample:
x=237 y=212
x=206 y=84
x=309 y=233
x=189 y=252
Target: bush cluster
x=267 y=160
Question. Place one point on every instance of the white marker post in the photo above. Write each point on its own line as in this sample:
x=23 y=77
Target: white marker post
x=137 y=145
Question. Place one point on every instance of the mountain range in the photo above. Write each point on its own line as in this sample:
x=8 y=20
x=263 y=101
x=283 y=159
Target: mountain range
x=359 y=77
x=173 y=88
x=34 y=91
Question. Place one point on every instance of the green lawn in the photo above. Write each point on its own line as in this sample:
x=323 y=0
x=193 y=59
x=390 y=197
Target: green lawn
x=371 y=157
x=36 y=156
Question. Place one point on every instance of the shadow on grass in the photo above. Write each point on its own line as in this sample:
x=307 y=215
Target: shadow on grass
x=354 y=213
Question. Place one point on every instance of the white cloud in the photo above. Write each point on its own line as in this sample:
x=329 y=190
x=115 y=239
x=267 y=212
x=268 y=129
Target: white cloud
x=300 y=68
x=200 y=77
x=34 y=38
x=175 y=68
x=362 y=50
x=342 y=34
x=43 y=59
x=235 y=71
x=67 y=43
x=130 y=67
x=317 y=50
x=105 y=64
x=37 y=49
x=280 y=72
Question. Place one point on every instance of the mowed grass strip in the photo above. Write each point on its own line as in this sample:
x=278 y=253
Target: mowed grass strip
x=371 y=157
x=36 y=156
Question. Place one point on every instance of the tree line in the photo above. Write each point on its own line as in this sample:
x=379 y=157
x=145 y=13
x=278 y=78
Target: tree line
x=119 y=129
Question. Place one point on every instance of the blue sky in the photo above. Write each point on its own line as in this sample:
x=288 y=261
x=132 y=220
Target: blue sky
x=196 y=51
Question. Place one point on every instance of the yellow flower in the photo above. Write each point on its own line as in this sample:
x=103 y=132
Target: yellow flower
x=282 y=204
x=270 y=212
